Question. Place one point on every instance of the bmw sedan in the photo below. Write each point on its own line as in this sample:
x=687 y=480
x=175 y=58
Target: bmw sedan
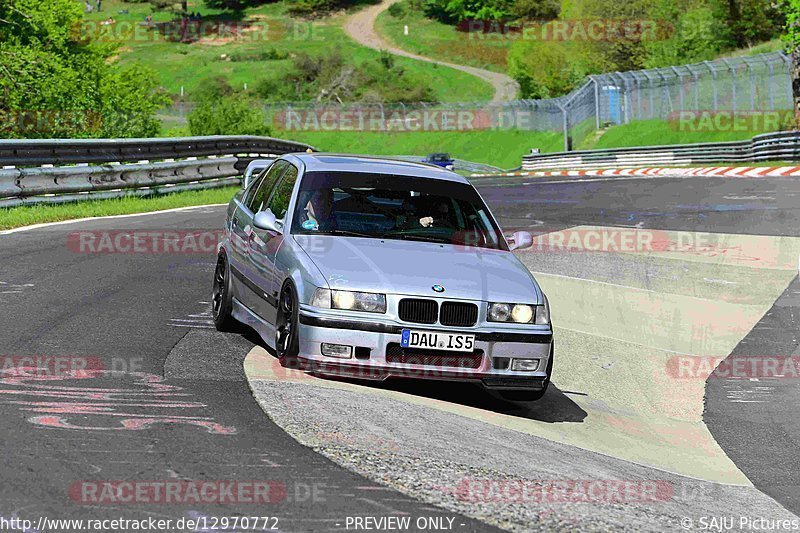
x=372 y=269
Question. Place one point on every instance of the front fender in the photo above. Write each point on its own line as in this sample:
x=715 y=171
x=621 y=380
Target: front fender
x=292 y=262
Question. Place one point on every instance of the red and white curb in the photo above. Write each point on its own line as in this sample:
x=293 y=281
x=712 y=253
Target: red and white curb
x=729 y=172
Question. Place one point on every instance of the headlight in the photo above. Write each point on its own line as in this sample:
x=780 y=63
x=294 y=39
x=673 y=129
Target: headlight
x=353 y=301
x=321 y=298
x=499 y=312
x=520 y=313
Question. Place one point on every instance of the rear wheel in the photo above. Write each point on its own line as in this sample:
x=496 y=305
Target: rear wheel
x=287 y=342
x=221 y=297
x=530 y=395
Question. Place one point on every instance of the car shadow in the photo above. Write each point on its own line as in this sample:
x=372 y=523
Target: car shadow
x=554 y=407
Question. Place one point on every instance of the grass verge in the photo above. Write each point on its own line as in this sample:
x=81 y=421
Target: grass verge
x=659 y=132
x=15 y=217
x=501 y=148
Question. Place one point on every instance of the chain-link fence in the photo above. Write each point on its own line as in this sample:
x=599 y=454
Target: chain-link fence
x=742 y=85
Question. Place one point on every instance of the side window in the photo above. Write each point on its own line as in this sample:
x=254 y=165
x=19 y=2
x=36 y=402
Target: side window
x=255 y=183
x=279 y=203
x=257 y=201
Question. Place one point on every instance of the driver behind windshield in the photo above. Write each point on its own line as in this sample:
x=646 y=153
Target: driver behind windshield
x=394 y=207
x=317 y=214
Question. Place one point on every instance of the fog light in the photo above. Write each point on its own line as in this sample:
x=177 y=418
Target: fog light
x=525 y=365
x=337 y=350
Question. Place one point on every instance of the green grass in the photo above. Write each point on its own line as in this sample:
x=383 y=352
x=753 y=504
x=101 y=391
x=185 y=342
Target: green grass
x=658 y=132
x=762 y=48
x=501 y=148
x=184 y=65
x=14 y=217
x=431 y=38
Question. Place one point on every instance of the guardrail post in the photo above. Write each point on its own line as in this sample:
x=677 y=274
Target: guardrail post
x=596 y=101
x=639 y=92
x=733 y=83
x=696 y=87
x=790 y=94
x=713 y=82
x=565 y=126
x=752 y=84
x=680 y=88
x=650 y=83
x=769 y=84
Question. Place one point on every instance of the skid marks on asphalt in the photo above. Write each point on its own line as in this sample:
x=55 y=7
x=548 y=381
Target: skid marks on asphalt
x=92 y=399
x=201 y=318
x=14 y=288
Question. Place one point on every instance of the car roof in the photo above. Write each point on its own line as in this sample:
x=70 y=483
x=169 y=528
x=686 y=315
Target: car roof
x=325 y=162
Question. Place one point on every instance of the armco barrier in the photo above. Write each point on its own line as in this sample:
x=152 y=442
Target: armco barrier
x=73 y=169
x=782 y=146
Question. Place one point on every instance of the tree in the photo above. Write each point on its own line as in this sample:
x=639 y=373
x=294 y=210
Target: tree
x=544 y=70
x=751 y=21
x=54 y=82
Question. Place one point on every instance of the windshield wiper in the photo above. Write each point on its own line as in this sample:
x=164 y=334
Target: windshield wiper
x=347 y=233
x=413 y=237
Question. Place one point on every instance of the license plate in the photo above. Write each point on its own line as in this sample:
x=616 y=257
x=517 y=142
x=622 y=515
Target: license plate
x=437 y=340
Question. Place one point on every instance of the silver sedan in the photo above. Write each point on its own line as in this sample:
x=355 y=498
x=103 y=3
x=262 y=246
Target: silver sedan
x=370 y=268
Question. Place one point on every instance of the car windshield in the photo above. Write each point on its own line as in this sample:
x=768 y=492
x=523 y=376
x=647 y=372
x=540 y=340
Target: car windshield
x=394 y=207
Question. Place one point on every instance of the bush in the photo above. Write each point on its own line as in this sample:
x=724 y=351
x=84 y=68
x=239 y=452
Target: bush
x=454 y=11
x=330 y=78
x=229 y=115
x=535 y=9
x=213 y=88
x=269 y=54
x=396 y=10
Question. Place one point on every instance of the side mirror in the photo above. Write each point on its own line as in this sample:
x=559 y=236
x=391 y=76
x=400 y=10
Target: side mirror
x=266 y=220
x=520 y=239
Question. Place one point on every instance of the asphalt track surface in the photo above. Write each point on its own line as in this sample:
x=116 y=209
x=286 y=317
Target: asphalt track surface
x=754 y=421
x=133 y=314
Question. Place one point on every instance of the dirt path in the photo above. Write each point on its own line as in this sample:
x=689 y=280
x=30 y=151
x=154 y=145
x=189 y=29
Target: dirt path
x=361 y=27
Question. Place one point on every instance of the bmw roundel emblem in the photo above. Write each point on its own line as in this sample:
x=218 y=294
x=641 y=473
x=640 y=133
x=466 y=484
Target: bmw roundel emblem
x=437 y=288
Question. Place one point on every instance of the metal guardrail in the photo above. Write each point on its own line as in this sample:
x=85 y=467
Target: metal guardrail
x=781 y=146
x=52 y=171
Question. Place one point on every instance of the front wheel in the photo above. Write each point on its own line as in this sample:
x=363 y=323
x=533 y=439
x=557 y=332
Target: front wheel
x=221 y=297
x=287 y=342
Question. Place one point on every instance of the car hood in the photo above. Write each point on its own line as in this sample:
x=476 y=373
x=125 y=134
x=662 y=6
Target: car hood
x=413 y=268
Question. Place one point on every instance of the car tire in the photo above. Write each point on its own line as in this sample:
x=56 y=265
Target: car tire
x=222 y=297
x=530 y=395
x=287 y=341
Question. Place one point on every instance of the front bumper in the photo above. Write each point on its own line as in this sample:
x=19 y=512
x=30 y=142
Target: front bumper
x=378 y=356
